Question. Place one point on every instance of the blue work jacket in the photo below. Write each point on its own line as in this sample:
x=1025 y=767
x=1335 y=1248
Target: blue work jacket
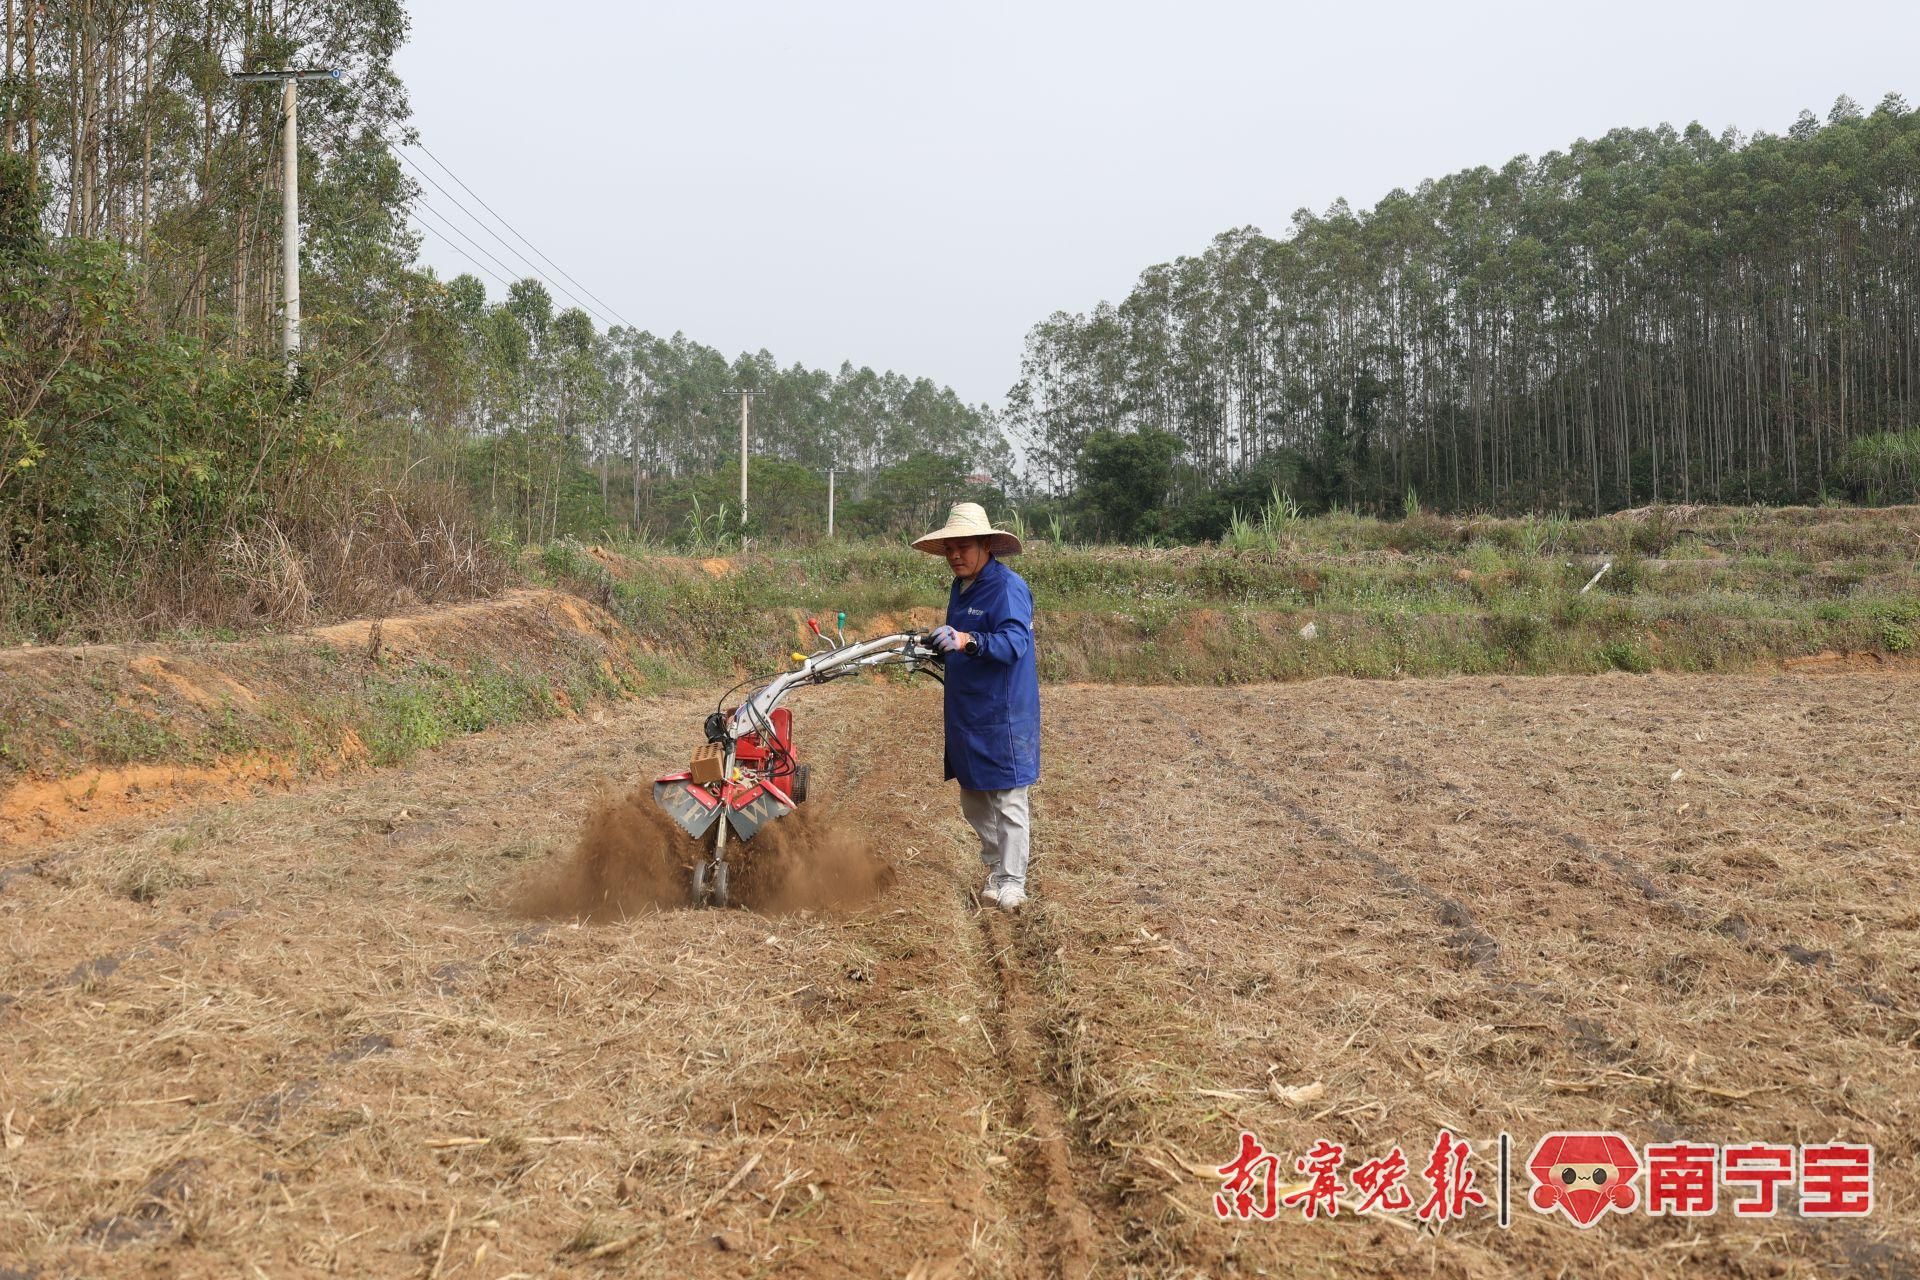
x=993 y=697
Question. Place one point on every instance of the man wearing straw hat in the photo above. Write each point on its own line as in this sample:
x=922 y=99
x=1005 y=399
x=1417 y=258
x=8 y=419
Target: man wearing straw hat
x=993 y=693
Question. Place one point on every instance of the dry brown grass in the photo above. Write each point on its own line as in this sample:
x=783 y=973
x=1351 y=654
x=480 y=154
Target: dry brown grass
x=1713 y=955
x=347 y=556
x=335 y=548
x=376 y=1042
x=327 y=1042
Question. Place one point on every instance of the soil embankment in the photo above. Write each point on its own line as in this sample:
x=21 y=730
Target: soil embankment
x=95 y=732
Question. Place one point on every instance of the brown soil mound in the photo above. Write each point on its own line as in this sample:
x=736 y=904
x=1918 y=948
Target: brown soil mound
x=514 y=618
x=632 y=858
x=36 y=809
x=91 y=733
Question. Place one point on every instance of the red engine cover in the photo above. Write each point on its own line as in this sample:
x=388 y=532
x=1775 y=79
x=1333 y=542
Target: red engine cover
x=750 y=753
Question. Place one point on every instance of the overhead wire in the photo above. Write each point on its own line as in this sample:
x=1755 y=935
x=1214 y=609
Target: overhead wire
x=447 y=240
x=482 y=224
x=509 y=226
x=419 y=205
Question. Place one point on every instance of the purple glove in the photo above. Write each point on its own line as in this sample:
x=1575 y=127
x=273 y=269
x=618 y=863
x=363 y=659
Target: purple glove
x=945 y=639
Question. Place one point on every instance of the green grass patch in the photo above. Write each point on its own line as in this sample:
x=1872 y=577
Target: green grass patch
x=426 y=704
x=123 y=735
x=1689 y=589
x=1626 y=655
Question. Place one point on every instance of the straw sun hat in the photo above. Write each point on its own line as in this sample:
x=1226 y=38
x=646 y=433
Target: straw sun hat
x=969 y=520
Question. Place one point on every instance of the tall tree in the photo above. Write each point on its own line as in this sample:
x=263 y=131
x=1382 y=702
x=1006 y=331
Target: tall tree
x=1652 y=315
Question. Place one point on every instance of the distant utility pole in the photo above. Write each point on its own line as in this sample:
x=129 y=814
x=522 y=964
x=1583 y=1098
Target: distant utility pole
x=743 y=460
x=829 y=502
x=289 y=197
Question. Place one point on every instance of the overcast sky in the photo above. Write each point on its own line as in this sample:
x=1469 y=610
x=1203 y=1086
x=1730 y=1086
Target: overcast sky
x=911 y=185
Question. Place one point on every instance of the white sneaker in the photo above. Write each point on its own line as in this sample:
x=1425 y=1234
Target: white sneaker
x=1010 y=897
x=990 y=894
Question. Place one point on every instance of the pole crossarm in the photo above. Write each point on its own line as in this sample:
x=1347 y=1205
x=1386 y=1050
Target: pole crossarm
x=296 y=74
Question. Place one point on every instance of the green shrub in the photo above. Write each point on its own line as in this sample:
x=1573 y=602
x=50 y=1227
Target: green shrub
x=1882 y=467
x=1571 y=608
x=1627 y=574
x=1516 y=633
x=488 y=698
x=1626 y=655
x=1419 y=533
x=1486 y=559
x=124 y=736
x=1652 y=536
x=407 y=719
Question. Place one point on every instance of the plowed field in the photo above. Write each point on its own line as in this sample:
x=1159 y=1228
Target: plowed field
x=306 y=1031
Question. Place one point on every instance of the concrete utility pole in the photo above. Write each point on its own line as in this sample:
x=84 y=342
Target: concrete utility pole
x=743 y=459
x=829 y=502
x=289 y=198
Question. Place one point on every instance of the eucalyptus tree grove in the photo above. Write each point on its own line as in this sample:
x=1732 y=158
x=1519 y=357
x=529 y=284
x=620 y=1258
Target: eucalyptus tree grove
x=650 y=426
x=125 y=111
x=1654 y=315
x=148 y=438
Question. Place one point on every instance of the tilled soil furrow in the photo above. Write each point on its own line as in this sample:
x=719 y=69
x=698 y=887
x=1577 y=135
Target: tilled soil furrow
x=1061 y=1230
x=1474 y=944
x=1070 y=1247
x=1838 y=978
x=1845 y=1242
x=1229 y=731
x=1754 y=938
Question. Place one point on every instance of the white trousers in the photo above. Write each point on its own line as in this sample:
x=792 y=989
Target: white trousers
x=999 y=818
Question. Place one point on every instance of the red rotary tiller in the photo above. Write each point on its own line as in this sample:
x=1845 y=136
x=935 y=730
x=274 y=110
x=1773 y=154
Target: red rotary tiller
x=746 y=774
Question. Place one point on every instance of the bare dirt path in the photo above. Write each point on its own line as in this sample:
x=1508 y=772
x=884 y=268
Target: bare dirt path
x=303 y=1031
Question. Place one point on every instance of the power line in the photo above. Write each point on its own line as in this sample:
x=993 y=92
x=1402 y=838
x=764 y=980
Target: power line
x=532 y=271
x=420 y=204
x=482 y=224
x=462 y=252
x=509 y=226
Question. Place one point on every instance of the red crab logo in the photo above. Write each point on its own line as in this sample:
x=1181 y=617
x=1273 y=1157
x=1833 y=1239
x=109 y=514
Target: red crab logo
x=1583 y=1175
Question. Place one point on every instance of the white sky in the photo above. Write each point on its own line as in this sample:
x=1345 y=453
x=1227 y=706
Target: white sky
x=912 y=185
